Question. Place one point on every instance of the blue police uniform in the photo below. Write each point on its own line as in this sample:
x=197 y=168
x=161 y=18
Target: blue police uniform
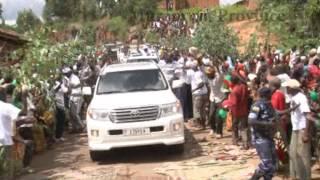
x=261 y=119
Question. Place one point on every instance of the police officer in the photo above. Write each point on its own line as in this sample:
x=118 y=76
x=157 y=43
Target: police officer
x=262 y=120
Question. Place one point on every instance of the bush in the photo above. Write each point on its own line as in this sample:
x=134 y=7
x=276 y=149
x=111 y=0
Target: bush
x=118 y=27
x=153 y=38
x=215 y=38
x=295 y=23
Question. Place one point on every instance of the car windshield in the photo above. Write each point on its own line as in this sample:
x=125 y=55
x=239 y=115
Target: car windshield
x=131 y=81
x=143 y=60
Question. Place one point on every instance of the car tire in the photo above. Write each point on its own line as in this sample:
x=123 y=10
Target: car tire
x=96 y=155
x=176 y=149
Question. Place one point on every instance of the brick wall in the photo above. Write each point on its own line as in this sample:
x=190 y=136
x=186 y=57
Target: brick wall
x=253 y=4
x=182 y=4
x=201 y=3
x=162 y=4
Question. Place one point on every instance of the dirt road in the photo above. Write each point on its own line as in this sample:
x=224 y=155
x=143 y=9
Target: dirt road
x=203 y=159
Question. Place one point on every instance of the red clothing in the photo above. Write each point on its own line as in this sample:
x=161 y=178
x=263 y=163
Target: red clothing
x=238 y=101
x=278 y=101
x=314 y=74
x=314 y=71
x=270 y=61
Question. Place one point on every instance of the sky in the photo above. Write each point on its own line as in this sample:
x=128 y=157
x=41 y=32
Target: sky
x=12 y=7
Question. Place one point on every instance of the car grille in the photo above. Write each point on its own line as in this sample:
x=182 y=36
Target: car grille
x=136 y=114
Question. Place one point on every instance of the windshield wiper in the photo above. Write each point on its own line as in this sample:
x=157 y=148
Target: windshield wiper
x=150 y=89
x=112 y=92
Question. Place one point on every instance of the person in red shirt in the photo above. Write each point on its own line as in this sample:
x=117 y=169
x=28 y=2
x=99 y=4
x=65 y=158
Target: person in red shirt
x=278 y=102
x=314 y=74
x=238 y=104
x=278 y=98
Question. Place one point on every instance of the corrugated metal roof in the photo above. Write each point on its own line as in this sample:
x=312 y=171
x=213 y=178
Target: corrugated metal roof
x=228 y=2
x=12 y=36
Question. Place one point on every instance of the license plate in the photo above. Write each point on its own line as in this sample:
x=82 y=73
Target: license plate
x=136 y=131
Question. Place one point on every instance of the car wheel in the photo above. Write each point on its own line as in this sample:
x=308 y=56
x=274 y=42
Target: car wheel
x=176 y=149
x=96 y=155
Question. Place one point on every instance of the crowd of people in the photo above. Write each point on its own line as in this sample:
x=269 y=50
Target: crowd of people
x=254 y=99
x=33 y=119
x=271 y=93
x=176 y=24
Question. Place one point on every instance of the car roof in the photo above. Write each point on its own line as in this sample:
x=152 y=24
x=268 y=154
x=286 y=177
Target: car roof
x=129 y=67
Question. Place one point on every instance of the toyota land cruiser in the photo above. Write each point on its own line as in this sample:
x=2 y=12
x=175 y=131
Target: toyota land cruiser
x=133 y=105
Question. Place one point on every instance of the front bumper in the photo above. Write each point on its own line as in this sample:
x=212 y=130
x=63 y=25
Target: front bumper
x=100 y=139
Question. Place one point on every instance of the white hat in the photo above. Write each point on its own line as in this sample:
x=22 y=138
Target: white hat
x=66 y=70
x=318 y=51
x=194 y=64
x=80 y=57
x=292 y=83
x=75 y=68
x=313 y=52
x=278 y=51
x=35 y=75
x=252 y=76
x=193 y=50
x=206 y=61
x=189 y=64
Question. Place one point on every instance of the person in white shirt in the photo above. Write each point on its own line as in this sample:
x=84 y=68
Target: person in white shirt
x=168 y=66
x=293 y=54
x=216 y=97
x=59 y=92
x=184 y=93
x=199 y=95
x=9 y=119
x=300 y=148
x=189 y=72
x=74 y=89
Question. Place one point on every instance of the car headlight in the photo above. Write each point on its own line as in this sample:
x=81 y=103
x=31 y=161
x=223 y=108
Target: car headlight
x=177 y=126
x=170 y=109
x=98 y=114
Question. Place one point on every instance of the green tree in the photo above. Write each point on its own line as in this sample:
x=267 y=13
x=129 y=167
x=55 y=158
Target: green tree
x=1 y=11
x=27 y=21
x=215 y=38
x=87 y=34
x=134 y=11
x=252 y=48
x=137 y=11
x=88 y=10
x=118 y=27
x=313 y=13
x=1 y=16
x=152 y=37
x=61 y=9
x=106 y=7
x=296 y=22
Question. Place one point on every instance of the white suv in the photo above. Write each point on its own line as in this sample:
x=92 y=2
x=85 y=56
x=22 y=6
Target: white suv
x=133 y=105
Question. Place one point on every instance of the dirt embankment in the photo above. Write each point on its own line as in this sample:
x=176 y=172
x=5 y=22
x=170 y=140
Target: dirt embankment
x=245 y=29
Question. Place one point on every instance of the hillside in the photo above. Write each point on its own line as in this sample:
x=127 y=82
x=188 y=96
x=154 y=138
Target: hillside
x=247 y=28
